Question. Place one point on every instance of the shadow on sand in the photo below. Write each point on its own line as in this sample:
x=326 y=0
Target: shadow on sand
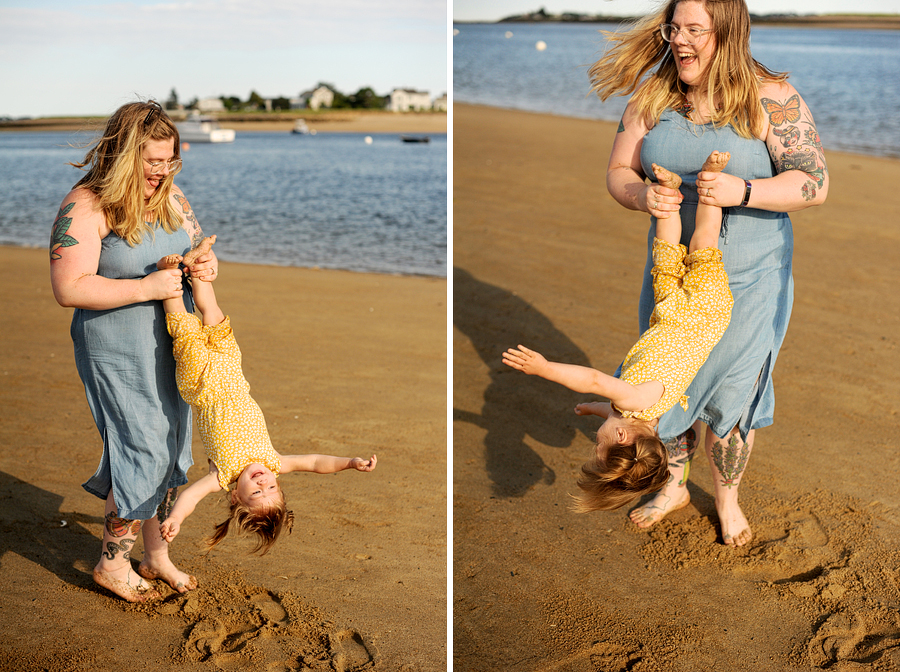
x=516 y=406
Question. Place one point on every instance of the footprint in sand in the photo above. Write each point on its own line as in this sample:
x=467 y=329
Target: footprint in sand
x=349 y=651
x=855 y=638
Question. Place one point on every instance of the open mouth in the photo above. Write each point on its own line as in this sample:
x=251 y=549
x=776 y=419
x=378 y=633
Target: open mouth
x=257 y=474
x=686 y=58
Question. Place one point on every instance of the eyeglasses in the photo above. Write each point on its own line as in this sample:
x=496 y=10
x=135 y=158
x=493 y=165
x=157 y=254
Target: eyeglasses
x=154 y=108
x=691 y=35
x=156 y=167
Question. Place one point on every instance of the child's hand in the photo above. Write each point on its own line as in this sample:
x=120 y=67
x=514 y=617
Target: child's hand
x=526 y=360
x=363 y=465
x=169 y=529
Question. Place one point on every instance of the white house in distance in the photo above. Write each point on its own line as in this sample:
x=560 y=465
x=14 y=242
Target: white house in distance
x=320 y=97
x=207 y=105
x=440 y=104
x=404 y=100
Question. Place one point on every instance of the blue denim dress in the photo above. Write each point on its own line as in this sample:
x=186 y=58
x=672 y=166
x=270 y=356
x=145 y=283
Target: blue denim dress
x=734 y=387
x=124 y=357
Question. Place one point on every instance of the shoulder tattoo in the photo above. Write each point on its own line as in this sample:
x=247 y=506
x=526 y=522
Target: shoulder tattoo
x=59 y=236
x=193 y=224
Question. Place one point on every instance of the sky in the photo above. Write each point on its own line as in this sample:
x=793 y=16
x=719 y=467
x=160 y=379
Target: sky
x=88 y=57
x=479 y=10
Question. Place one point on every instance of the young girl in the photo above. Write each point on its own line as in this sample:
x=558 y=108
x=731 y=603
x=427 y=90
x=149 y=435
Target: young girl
x=693 y=308
x=232 y=426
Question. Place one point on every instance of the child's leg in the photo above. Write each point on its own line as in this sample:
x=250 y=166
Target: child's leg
x=668 y=229
x=708 y=223
x=204 y=296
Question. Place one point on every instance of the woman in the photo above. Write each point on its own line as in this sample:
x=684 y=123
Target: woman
x=706 y=93
x=118 y=221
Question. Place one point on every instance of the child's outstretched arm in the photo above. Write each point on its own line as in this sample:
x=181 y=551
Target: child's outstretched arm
x=187 y=501
x=584 y=379
x=325 y=464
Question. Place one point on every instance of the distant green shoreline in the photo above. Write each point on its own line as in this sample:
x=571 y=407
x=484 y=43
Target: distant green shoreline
x=857 y=21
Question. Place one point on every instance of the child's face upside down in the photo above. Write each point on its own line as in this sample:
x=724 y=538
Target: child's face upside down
x=257 y=486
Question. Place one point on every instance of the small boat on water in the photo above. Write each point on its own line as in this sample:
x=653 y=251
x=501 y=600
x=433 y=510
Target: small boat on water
x=415 y=138
x=301 y=128
x=198 y=128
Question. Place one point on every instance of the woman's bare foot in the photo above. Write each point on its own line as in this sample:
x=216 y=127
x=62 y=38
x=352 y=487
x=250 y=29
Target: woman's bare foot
x=164 y=569
x=126 y=584
x=667 y=178
x=203 y=247
x=735 y=528
x=716 y=162
x=671 y=498
x=168 y=262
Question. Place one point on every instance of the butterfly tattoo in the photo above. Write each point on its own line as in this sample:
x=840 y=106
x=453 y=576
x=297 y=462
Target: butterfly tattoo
x=788 y=112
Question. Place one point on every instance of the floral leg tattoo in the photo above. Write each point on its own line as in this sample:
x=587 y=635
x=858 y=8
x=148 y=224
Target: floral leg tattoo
x=120 y=527
x=681 y=451
x=730 y=459
x=165 y=507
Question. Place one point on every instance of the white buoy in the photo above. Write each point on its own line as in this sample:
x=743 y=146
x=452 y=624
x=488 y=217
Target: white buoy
x=368 y=139
x=456 y=31
x=508 y=34
x=541 y=45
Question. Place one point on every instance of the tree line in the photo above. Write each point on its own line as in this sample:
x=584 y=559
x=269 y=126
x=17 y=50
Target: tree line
x=365 y=98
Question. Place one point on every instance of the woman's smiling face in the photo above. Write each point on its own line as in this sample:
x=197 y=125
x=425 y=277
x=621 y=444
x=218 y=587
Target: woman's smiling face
x=692 y=60
x=158 y=151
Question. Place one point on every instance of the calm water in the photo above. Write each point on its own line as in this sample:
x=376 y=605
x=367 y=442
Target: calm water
x=847 y=77
x=329 y=200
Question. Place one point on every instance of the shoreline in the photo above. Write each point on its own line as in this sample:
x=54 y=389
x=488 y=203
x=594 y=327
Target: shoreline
x=388 y=274
x=833 y=21
x=599 y=120
x=326 y=122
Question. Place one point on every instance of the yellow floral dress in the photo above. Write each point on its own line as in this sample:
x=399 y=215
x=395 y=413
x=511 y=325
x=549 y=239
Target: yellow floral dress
x=209 y=377
x=693 y=309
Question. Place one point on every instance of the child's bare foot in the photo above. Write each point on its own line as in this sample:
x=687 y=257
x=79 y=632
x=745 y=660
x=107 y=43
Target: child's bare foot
x=671 y=498
x=666 y=178
x=168 y=262
x=203 y=247
x=164 y=569
x=716 y=162
x=126 y=584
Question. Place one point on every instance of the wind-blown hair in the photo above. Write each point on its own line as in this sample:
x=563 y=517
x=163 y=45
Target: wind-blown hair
x=732 y=79
x=266 y=523
x=628 y=471
x=115 y=172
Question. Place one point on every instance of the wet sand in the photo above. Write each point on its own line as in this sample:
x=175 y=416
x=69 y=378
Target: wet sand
x=341 y=363
x=543 y=256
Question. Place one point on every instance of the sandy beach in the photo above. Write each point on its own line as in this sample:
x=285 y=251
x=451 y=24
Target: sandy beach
x=543 y=256
x=341 y=363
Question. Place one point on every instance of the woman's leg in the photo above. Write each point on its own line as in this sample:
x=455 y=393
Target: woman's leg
x=156 y=563
x=114 y=571
x=674 y=494
x=728 y=459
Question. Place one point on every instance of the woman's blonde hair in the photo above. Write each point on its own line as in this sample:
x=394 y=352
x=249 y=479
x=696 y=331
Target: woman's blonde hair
x=115 y=172
x=266 y=523
x=628 y=471
x=732 y=79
